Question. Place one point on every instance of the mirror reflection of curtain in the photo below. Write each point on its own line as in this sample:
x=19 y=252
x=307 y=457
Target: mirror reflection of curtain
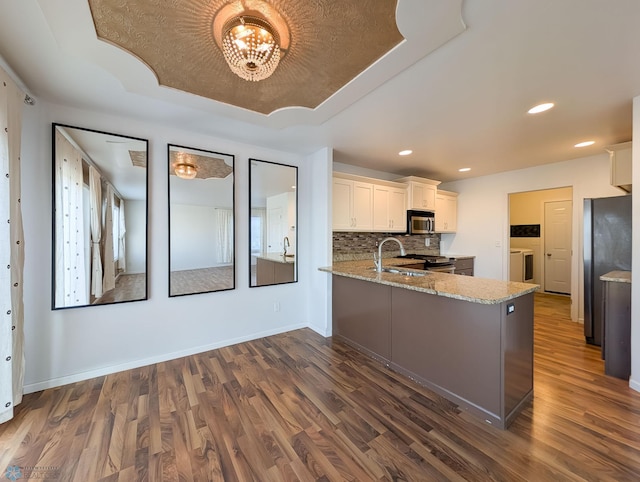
x=258 y=231
x=122 y=229
x=70 y=283
x=224 y=245
x=11 y=249
x=95 y=198
x=109 y=276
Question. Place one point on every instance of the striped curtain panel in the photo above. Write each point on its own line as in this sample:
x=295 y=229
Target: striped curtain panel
x=11 y=249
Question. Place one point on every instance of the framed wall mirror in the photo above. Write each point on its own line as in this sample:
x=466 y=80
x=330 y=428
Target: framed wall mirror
x=99 y=218
x=201 y=221
x=273 y=201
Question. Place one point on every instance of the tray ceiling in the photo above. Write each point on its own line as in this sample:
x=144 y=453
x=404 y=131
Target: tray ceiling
x=331 y=43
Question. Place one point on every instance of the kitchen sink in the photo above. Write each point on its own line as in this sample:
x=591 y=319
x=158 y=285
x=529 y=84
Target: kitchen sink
x=402 y=272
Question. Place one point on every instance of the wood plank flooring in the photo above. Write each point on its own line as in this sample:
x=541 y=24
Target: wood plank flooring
x=298 y=407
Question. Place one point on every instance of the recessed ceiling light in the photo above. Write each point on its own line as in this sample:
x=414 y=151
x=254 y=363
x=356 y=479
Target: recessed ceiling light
x=406 y=152
x=464 y=169
x=541 y=108
x=585 y=144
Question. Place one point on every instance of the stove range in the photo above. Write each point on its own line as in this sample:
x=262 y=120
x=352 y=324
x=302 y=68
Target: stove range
x=430 y=260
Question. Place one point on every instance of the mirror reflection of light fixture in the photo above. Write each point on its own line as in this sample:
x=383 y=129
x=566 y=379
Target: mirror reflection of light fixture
x=185 y=170
x=251 y=47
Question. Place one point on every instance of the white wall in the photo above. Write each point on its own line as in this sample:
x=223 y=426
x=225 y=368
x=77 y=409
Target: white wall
x=634 y=381
x=193 y=230
x=136 y=253
x=318 y=227
x=68 y=345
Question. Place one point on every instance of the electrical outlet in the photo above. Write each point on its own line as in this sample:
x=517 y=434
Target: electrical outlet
x=427 y=242
x=276 y=306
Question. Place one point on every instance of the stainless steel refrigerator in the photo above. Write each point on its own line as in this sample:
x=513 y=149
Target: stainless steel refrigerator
x=607 y=247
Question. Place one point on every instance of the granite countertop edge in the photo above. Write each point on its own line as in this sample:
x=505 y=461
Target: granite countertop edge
x=465 y=288
x=277 y=258
x=617 y=276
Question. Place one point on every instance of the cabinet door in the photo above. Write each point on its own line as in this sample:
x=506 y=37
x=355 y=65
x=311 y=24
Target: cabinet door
x=418 y=195
x=342 y=205
x=362 y=206
x=422 y=196
x=430 y=197
x=446 y=213
x=381 y=198
x=398 y=210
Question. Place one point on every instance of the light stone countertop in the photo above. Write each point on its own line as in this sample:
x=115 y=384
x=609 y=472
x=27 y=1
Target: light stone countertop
x=467 y=288
x=617 y=276
x=458 y=256
x=277 y=258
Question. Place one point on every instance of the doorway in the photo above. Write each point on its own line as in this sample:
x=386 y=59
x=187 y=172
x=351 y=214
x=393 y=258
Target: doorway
x=530 y=226
x=557 y=247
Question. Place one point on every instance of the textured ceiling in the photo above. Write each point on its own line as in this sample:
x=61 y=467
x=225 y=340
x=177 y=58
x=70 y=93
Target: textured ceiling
x=208 y=167
x=331 y=42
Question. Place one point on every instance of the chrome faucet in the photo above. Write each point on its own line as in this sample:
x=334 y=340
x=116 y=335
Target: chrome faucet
x=286 y=245
x=377 y=260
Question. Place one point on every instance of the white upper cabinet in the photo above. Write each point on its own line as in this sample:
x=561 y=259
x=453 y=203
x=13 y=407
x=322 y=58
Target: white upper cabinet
x=365 y=204
x=389 y=208
x=421 y=192
x=352 y=205
x=362 y=206
x=621 y=161
x=446 y=212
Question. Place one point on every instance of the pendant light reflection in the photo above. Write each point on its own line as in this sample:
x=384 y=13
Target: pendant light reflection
x=186 y=171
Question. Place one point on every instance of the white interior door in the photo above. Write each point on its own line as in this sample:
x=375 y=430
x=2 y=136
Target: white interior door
x=275 y=229
x=557 y=246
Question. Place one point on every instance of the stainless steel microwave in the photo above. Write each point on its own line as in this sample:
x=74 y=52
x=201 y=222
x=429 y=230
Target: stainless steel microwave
x=420 y=222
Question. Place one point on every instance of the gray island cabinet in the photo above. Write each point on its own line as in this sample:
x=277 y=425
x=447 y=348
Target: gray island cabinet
x=468 y=339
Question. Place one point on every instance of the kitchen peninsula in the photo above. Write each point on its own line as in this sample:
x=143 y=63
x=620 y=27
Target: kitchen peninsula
x=468 y=339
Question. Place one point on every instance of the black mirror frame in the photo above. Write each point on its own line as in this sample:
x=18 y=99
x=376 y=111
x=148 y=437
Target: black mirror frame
x=295 y=272
x=233 y=200
x=54 y=126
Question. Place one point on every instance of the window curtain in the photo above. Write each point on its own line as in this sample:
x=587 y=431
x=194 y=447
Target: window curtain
x=122 y=254
x=11 y=249
x=95 y=223
x=70 y=281
x=109 y=277
x=224 y=245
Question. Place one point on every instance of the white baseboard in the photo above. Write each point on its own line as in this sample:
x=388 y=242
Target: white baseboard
x=78 y=377
x=634 y=385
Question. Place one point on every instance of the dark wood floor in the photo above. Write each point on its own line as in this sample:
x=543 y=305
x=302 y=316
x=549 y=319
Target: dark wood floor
x=298 y=407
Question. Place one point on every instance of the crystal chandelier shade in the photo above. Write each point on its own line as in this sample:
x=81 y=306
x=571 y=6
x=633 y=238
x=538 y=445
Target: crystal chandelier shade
x=185 y=170
x=251 y=47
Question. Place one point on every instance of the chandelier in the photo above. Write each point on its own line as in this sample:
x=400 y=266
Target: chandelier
x=185 y=170
x=251 y=47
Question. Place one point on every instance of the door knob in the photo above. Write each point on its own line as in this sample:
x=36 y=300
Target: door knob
x=549 y=255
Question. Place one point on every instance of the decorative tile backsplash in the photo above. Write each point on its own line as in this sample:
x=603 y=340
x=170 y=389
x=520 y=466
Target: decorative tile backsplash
x=355 y=246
